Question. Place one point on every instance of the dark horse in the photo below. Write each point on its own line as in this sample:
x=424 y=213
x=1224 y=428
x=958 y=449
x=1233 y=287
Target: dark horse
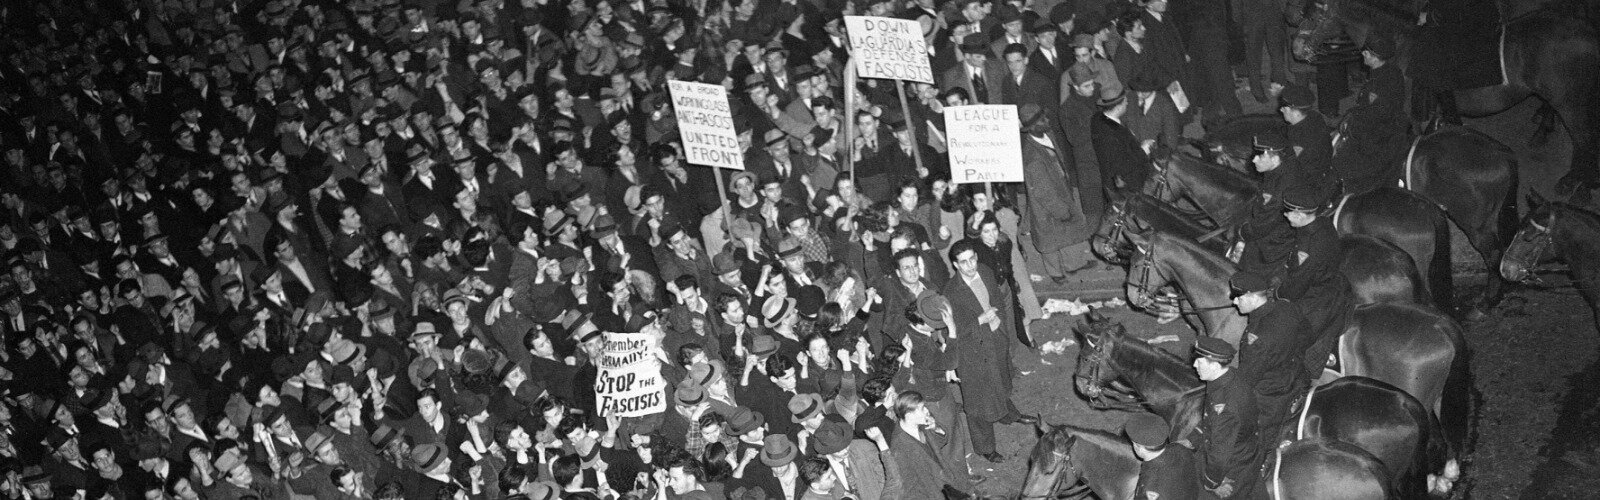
x=1409 y=345
x=1386 y=422
x=1378 y=271
x=1129 y=373
x=1397 y=216
x=1547 y=54
x=1327 y=469
x=1564 y=232
x=1470 y=175
x=1073 y=461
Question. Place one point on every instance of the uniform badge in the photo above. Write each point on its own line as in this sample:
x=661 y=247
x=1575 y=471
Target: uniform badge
x=1151 y=495
x=1251 y=339
x=1217 y=408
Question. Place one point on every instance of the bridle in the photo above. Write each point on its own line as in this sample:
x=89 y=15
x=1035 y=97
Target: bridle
x=1108 y=394
x=1529 y=247
x=1144 y=295
x=1063 y=463
x=1110 y=242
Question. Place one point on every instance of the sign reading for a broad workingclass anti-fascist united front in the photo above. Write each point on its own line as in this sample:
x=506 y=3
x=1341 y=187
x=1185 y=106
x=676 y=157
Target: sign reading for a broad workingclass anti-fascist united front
x=888 y=48
x=706 y=125
x=985 y=144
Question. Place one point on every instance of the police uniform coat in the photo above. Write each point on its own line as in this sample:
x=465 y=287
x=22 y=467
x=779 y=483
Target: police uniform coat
x=1227 y=435
x=1172 y=476
x=1315 y=282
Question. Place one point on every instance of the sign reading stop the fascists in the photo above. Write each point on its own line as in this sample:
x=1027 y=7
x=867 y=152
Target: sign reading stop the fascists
x=629 y=382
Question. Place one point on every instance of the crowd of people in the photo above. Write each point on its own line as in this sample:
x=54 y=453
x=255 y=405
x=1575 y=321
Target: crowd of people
x=365 y=249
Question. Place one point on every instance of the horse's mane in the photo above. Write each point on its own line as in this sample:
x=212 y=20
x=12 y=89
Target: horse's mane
x=1213 y=262
x=1161 y=215
x=1223 y=175
x=1116 y=452
x=1139 y=356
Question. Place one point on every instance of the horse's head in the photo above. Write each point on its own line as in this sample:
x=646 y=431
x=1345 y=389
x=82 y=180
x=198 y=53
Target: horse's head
x=1145 y=278
x=1108 y=241
x=1095 y=378
x=1531 y=242
x=1337 y=29
x=1050 y=465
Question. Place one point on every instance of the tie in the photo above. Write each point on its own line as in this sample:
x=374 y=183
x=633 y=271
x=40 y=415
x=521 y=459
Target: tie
x=783 y=170
x=979 y=88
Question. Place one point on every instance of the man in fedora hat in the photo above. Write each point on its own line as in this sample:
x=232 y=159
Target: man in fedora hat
x=857 y=464
x=1227 y=433
x=981 y=75
x=1056 y=221
x=1124 y=161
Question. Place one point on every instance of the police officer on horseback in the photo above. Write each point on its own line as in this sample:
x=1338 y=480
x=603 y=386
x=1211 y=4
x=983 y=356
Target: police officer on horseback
x=1314 y=280
x=1265 y=239
x=1378 y=129
x=1167 y=471
x=1227 y=434
x=1271 y=352
x=1308 y=131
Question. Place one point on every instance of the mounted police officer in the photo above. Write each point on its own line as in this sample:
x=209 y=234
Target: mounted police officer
x=1265 y=239
x=1314 y=280
x=1227 y=432
x=1167 y=471
x=1271 y=352
x=1378 y=128
x=1308 y=132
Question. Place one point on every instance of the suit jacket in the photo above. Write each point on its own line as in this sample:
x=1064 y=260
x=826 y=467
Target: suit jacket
x=1052 y=70
x=993 y=78
x=1035 y=88
x=1119 y=154
x=922 y=473
x=1158 y=123
x=873 y=474
x=985 y=354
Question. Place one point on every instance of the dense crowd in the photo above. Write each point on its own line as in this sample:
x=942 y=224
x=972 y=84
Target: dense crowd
x=373 y=248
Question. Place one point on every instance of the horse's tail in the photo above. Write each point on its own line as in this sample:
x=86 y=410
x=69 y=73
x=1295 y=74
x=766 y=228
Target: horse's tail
x=1457 y=420
x=1441 y=279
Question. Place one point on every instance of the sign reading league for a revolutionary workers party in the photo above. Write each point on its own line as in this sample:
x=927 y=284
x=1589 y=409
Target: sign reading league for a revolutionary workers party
x=985 y=145
x=706 y=125
x=888 y=48
x=629 y=383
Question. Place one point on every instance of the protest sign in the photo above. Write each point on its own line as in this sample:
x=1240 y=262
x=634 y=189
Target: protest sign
x=629 y=382
x=888 y=48
x=985 y=143
x=706 y=125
